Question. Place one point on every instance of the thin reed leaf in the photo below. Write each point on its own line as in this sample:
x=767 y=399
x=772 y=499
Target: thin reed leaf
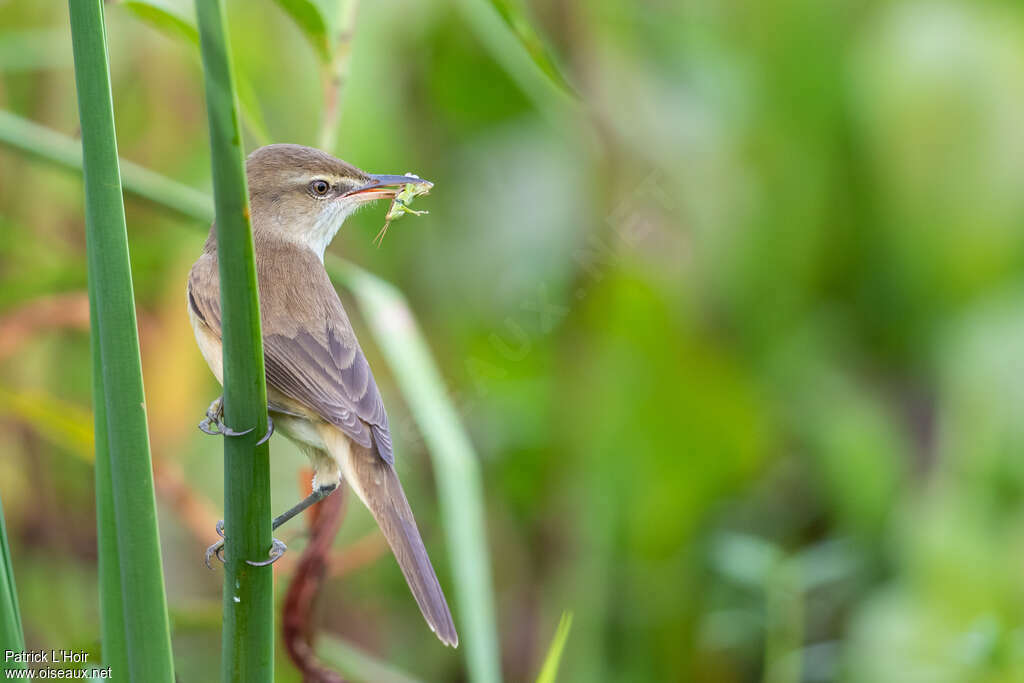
x=124 y=477
x=507 y=49
x=163 y=16
x=311 y=17
x=514 y=16
x=455 y=464
x=64 y=151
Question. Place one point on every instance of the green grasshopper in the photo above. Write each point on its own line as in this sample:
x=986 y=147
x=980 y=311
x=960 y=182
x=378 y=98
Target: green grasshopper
x=400 y=205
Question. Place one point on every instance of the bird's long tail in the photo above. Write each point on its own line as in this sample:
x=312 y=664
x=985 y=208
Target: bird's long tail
x=377 y=485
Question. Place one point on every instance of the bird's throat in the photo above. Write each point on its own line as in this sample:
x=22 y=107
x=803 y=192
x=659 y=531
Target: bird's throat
x=327 y=225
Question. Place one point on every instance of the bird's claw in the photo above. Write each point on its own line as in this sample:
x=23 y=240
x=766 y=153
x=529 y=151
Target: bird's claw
x=217 y=549
x=270 y=430
x=277 y=551
x=213 y=423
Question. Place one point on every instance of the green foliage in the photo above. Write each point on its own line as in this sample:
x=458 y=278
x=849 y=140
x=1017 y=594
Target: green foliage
x=135 y=625
x=170 y=20
x=756 y=419
x=248 y=636
x=32 y=49
x=11 y=634
x=517 y=55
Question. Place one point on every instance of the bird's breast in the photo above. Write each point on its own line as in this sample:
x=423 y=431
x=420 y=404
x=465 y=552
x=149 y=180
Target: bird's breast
x=209 y=343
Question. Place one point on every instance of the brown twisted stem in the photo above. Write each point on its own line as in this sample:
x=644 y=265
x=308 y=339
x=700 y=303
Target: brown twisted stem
x=297 y=618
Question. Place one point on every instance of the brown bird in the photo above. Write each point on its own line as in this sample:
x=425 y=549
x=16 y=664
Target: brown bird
x=320 y=390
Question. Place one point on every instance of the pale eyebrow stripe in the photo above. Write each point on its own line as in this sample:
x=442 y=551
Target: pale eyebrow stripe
x=301 y=178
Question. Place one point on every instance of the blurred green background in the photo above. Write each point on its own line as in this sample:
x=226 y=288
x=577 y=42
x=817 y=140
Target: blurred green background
x=737 y=334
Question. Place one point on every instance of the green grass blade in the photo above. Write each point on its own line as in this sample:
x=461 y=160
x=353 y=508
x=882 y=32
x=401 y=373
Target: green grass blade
x=164 y=17
x=248 y=636
x=11 y=634
x=514 y=16
x=62 y=150
x=455 y=463
x=505 y=47
x=549 y=670
x=147 y=642
x=310 y=17
x=356 y=665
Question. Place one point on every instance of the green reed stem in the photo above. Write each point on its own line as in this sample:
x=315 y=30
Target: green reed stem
x=130 y=546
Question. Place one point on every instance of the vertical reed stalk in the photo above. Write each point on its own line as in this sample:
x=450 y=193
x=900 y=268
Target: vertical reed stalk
x=132 y=582
x=248 y=635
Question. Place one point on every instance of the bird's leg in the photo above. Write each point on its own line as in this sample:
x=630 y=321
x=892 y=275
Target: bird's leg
x=213 y=423
x=278 y=548
x=310 y=500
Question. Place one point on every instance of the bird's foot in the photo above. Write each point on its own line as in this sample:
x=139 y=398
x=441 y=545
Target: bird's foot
x=217 y=549
x=277 y=551
x=213 y=423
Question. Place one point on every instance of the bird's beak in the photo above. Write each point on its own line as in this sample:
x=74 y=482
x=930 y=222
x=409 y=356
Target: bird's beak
x=384 y=187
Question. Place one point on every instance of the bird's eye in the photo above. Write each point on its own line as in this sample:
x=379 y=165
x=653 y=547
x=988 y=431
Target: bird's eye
x=319 y=187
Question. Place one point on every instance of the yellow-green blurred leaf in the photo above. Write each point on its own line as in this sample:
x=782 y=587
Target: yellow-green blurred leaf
x=549 y=671
x=62 y=423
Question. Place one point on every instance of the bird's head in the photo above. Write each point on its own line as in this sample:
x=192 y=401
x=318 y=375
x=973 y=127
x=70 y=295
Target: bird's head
x=302 y=195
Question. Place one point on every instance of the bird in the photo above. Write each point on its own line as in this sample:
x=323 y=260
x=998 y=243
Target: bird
x=321 y=393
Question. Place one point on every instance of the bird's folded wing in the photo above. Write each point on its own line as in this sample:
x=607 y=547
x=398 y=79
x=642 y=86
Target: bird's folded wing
x=333 y=378
x=314 y=358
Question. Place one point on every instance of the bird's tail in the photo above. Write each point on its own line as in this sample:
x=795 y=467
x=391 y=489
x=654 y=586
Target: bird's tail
x=377 y=485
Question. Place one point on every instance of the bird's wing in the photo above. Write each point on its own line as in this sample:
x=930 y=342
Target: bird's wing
x=311 y=352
